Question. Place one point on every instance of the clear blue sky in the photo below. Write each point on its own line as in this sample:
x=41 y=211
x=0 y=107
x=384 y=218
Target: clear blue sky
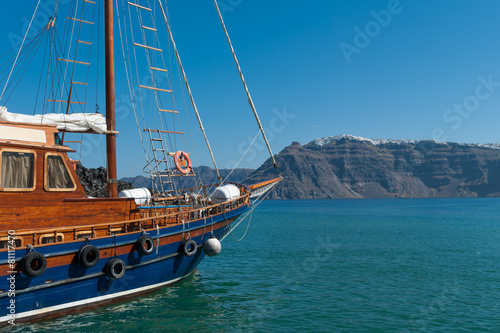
x=404 y=69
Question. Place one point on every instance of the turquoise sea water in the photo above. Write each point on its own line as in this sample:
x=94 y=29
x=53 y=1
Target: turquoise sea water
x=402 y=265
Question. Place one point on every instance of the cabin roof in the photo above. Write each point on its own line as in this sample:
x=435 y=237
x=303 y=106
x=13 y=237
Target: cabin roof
x=33 y=135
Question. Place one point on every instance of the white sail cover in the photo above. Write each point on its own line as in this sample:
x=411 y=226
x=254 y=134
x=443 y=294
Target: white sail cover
x=75 y=122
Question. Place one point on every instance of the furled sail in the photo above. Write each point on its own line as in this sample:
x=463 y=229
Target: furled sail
x=75 y=122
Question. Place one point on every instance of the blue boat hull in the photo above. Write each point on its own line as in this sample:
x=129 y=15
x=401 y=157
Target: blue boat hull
x=66 y=287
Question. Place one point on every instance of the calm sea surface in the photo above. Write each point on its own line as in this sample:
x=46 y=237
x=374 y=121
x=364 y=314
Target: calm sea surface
x=416 y=265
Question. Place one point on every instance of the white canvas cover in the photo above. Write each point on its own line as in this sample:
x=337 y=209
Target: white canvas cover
x=75 y=122
x=225 y=193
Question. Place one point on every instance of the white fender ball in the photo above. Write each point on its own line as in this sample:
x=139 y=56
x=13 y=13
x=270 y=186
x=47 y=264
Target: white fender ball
x=212 y=247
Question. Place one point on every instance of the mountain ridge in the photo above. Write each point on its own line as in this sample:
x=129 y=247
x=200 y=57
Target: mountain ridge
x=376 y=142
x=347 y=166
x=353 y=167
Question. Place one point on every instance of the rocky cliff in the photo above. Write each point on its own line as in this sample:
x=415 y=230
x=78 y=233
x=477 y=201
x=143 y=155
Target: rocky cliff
x=94 y=181
x=353 y=167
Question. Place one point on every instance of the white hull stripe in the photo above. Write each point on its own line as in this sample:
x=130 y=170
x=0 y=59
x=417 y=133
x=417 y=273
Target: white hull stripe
x=34 y=313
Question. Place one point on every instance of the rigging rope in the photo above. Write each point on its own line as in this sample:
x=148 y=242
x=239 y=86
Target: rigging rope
x=154 y=169
x=40 y=80
x=250 y=146
x=32 y=51
x=189 y=89
x=128 y=75
x=257 y=202
x=26 y=34
x=197 y=179
x=250 y=101
x=34 y=38
x=98 y=52
x=70 y=41
x=256 y=174
x=246 y=230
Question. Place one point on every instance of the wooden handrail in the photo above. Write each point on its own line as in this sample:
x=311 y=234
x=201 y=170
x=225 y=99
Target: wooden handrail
x=110 y=224
x=264 y=183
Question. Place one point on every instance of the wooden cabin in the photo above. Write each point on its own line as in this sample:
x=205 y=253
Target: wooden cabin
x=39 y=188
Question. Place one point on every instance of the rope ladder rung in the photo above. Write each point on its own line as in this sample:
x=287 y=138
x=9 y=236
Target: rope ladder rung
x=148 y=47
x=148 y=28
x=139 y=6
x=161 y=131
x=168 y=111
x=159 y=69
x=79 y=20
x=154 y=88
x=83 y=42
x=74 y=61
x=63 y=101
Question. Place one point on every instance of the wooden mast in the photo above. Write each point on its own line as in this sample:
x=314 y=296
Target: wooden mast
x=110 y=100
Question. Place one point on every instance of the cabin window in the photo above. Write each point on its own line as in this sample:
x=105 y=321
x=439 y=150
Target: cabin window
x=49 y=238
x=18 y=170
x=6 y=242
x=57 y=177
x=57 y=139
x=116 y=231
x=84 y=234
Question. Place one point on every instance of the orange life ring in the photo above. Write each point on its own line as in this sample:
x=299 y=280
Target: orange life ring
x=182 y=162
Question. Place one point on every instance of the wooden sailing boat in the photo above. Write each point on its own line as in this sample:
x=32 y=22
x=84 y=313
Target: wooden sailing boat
x=61 y=251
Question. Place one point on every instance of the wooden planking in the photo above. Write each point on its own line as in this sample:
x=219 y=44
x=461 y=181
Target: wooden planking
x=52 y=211
x=67 y=259
x=67 y=212
x=51 y=208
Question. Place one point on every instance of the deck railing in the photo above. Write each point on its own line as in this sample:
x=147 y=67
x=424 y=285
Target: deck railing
x=152 y=219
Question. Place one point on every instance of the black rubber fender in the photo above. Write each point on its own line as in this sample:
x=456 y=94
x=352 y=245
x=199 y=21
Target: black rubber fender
x=189 y=247
x=88 y=256
x=146 y=244
x=33 y=264
x=115 y=268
